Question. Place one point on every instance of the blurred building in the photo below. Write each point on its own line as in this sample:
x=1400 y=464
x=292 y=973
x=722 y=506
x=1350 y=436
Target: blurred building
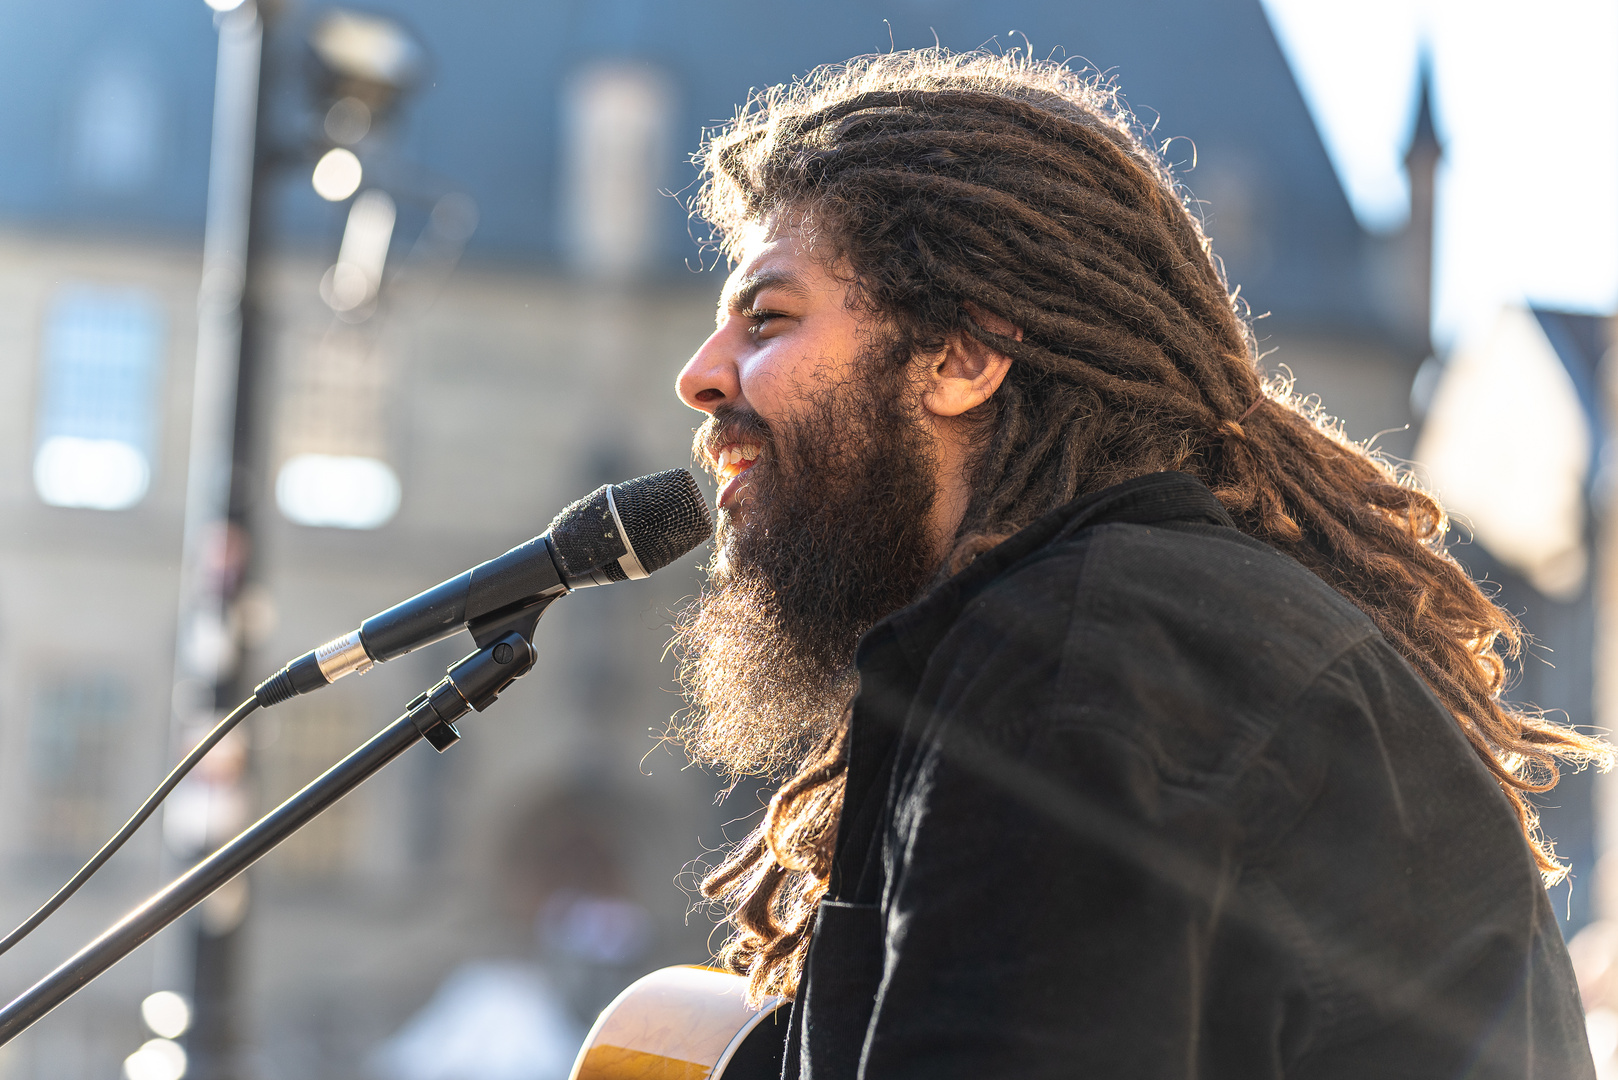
x=410 y=434
x=1514 y=439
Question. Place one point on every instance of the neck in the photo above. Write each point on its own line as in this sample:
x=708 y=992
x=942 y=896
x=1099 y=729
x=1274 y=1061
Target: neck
x=952 y=485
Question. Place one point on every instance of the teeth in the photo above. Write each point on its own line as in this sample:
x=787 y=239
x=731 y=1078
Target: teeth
x=729 y=461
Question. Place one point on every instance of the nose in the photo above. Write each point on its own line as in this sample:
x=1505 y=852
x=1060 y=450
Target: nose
x=710 y=378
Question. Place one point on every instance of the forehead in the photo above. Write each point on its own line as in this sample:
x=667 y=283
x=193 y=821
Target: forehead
x=776 y=255
x=774 y=235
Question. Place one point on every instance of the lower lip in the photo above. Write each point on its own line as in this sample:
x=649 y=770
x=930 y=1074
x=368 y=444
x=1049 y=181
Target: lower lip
x=728 y=492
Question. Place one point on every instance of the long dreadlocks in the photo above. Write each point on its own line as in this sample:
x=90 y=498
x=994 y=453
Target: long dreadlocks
x=948 y=183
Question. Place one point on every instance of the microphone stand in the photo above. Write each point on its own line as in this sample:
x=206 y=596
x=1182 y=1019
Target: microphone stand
x=473 y=683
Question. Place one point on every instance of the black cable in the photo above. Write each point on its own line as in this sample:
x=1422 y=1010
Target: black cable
x=152 y=802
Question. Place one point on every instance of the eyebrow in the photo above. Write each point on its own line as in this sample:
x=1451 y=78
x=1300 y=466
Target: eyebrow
x=747 y=289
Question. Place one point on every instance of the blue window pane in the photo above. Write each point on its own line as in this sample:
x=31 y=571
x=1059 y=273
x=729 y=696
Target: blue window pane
x=102 y=353
x=98 y=398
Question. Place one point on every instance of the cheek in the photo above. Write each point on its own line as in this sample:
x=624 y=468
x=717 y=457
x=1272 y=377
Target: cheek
x=762 y=380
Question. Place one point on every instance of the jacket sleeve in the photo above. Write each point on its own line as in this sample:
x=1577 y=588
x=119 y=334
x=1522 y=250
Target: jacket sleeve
x=1055 y=908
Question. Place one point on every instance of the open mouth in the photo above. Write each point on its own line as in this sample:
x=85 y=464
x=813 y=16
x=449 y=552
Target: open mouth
x=730 y=464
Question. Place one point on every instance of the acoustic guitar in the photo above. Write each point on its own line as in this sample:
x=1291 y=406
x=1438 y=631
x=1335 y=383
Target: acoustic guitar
x=685 y=1023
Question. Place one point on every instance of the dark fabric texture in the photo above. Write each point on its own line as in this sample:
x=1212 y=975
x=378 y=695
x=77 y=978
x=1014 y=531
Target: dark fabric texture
x=1138 y=796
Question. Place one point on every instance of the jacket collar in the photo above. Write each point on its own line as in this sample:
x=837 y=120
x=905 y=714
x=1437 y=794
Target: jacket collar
x=1142 y=500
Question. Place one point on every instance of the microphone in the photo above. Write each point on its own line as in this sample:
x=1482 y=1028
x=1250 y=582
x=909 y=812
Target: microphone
x=619 y=532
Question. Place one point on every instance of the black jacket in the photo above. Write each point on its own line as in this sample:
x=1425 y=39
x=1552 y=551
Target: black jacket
x=1138 y=796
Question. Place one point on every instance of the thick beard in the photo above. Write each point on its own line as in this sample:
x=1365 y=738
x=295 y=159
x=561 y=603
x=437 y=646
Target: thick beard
x=834 y=539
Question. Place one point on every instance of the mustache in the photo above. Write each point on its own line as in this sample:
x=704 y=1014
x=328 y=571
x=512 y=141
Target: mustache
x=729 y=424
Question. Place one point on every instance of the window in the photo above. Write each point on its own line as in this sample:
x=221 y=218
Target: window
x=301 y=744
x=77 y=726
x=618 y=121
x=117 y=139
x=98 y=398
x=337 y=491
x=332 y=434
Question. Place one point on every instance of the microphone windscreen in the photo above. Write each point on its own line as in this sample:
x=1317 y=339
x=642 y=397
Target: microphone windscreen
x=664 y=516
x=586 y=539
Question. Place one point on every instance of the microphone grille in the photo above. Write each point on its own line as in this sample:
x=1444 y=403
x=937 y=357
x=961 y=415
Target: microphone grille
x=664 y=516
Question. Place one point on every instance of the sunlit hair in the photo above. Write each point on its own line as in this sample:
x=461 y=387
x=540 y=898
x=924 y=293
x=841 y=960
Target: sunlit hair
x=944 y=181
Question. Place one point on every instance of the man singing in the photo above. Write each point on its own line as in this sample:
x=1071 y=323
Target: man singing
x=1132 y=722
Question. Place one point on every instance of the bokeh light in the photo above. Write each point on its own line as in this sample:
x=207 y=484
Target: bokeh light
x=157 y=1059
x=166 y=1013
x=337 y=175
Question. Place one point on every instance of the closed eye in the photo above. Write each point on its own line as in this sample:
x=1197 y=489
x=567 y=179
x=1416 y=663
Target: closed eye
x=759 y=319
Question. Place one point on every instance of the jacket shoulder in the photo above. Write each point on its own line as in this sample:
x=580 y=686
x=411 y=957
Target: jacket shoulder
x=1180 y=590
x=1192 y=642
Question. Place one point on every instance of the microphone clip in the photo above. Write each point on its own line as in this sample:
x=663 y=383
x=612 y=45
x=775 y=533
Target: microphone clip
x=518 y=619
x=472 y=684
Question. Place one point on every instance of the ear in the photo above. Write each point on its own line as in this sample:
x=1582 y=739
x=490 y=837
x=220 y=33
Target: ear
x=967 y=372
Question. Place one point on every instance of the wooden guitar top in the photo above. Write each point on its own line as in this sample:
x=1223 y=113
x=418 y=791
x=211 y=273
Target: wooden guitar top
x=685 y=1023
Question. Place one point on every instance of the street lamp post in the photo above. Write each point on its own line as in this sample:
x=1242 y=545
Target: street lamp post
x=217 y=530
x=365 y=63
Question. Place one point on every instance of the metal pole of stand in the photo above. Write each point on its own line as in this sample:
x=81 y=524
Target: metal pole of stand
x=191 y=888
x=473 y=683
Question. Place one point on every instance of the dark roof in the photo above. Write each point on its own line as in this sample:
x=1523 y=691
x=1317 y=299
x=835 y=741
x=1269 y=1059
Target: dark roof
x=1580 y=342
x=1208 y=71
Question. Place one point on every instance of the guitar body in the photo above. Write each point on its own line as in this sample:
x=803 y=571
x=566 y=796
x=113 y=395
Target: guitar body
x=685 y=1023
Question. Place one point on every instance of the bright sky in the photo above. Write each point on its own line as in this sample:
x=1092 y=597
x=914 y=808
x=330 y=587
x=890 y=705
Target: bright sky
x=1526 y=103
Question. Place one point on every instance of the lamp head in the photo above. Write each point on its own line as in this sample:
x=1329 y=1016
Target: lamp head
x=365 y=58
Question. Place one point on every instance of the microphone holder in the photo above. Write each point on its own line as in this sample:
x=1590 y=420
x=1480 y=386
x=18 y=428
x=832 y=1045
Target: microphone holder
x=472 y=684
